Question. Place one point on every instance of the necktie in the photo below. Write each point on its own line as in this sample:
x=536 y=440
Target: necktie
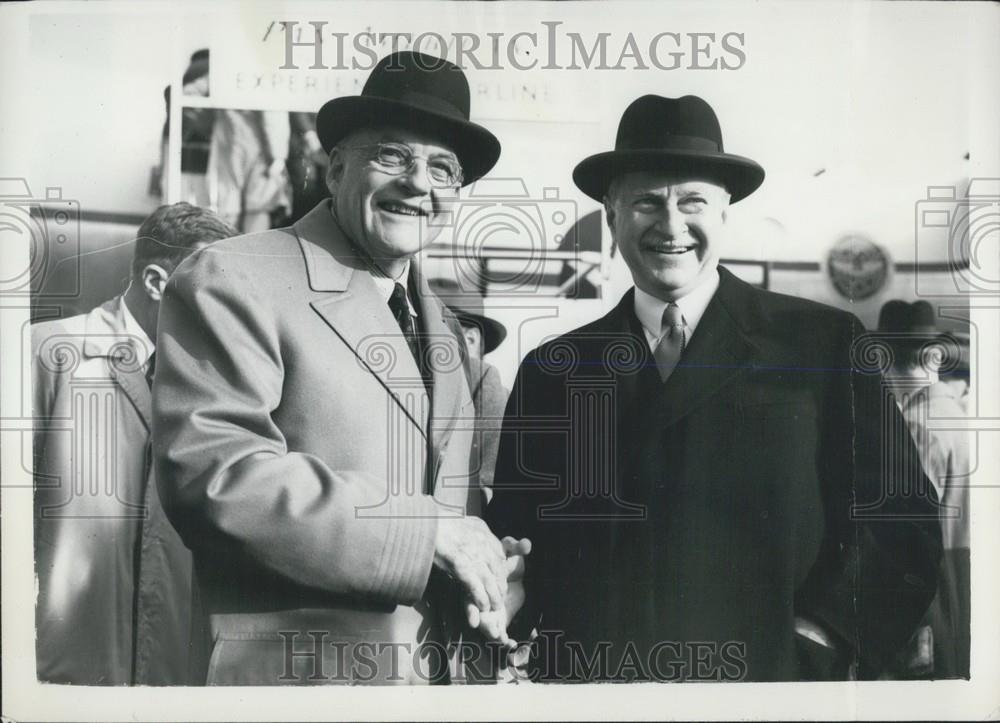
x=401 y=311
x=671 y=345
x=150 y=368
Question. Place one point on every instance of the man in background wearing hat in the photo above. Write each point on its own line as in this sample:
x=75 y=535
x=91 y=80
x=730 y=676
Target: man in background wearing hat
x=482 y=335
x=929 y=380
x=697 y=521
x=308 y=409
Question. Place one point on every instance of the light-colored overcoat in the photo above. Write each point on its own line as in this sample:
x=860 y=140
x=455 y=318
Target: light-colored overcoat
x=306 y=462
x=114 y=578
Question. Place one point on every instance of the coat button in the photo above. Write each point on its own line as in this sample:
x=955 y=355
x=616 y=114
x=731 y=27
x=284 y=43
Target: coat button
x=914 y=580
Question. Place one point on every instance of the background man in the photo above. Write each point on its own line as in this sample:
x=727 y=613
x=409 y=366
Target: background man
x=482 y=335
x=929 y=380
x=698 y=520
x=305 y=411
x=114 y=579
x=947 y=457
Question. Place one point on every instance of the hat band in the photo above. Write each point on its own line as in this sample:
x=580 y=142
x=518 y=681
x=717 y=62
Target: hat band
x=672 y=142
x=427 y=102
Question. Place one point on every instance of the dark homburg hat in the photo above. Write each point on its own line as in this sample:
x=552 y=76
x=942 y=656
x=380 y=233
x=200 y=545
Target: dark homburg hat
x=417 y=91
x=669 y=134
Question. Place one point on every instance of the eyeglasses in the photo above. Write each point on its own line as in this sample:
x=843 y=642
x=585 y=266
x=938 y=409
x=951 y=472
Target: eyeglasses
x=398 y=158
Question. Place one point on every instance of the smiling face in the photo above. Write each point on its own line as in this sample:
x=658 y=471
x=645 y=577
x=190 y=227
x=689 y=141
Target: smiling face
x=669 y=229
x=389 y=216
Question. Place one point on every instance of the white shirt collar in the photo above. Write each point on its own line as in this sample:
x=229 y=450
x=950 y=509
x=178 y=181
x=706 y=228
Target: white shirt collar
x=943 y=389
x=144 y=346
x=649 y=308
x=385 y=285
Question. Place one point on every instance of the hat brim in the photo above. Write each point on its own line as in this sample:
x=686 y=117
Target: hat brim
x=958 y=344
x=741 y=176
x=477 y=149
x=493 y=331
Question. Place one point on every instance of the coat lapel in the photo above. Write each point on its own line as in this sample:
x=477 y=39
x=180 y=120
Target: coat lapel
x=106 y=337
x=357 y=313
x=133 y=383
x=445 y=361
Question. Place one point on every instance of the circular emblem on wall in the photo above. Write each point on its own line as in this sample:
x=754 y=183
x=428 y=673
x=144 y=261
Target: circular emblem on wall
x=857 y=267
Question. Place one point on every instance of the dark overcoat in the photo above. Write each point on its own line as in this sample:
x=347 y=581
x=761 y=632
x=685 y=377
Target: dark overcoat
x=680 y=527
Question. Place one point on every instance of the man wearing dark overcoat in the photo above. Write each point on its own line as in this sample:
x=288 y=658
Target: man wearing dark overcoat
x=701 y=470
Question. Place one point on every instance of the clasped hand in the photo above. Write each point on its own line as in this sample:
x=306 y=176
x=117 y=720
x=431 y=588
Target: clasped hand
x=489 y=570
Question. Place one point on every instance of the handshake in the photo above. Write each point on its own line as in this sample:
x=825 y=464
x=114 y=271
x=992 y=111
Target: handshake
x=489 y=570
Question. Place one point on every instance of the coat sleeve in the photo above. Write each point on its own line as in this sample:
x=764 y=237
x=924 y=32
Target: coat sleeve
x=877 y=571
x=226 y=477
x=512 y=508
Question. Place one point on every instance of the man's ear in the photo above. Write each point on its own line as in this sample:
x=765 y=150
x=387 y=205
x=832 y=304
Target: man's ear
x=609 y=213
x=726 y=198
x=334 y=170
x=473 y=337
x=154 y=279
x=473 y=340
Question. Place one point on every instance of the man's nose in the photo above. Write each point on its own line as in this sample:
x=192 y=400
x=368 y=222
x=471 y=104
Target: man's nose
x=417 y=178
x=671 y=223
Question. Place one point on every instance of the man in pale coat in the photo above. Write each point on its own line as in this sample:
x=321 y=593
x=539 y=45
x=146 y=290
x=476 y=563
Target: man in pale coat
x=309 y=407
x=114 y=579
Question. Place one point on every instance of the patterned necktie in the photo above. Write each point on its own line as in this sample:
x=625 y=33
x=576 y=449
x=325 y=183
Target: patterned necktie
x=150 y=368
x=401 y=311
x=668 y=351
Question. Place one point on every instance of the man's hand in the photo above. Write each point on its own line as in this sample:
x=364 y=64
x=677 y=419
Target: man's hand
x=825 y=658
x=467 y=551
x=493 y=623
x=276 y=168
x=808 y=629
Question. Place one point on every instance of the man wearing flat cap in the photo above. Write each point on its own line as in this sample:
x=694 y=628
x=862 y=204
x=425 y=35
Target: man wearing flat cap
x=307 y=414
x=700 y=470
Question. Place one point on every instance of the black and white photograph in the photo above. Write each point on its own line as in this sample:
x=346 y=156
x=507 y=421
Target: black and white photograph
x=500 y=360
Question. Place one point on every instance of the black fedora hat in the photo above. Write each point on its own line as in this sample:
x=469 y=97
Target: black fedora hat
x=467 y=306
x=914 y=326
x=417 y=91
x=900 y=317
x=674 y=135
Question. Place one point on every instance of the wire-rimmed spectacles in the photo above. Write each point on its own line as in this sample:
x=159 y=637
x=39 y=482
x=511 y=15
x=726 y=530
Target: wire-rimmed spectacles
x=398 y=158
